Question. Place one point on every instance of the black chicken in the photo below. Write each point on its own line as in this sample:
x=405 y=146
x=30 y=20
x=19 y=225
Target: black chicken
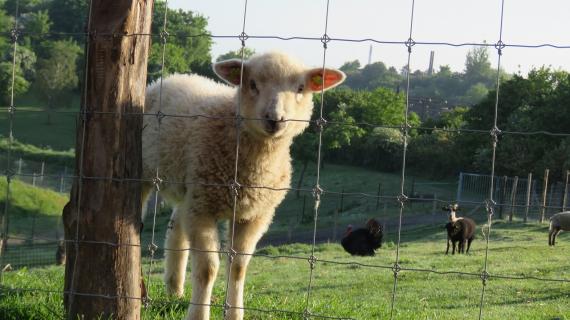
x=363 y=241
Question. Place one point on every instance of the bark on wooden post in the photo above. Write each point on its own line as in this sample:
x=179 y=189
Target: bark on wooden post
x=102 y=219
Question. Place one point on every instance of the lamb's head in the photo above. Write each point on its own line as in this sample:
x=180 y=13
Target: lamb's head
x=277 y=91
x=452 y=211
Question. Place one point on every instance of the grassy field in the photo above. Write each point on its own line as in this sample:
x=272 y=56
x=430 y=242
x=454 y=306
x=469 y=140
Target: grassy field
x=343 y=286
x=361 y=292
x=30 y=126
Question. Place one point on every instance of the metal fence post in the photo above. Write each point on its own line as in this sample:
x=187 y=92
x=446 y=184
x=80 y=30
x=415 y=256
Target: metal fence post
x=459 y=187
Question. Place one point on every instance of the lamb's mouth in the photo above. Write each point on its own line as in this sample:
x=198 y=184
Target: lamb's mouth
x=274 y=127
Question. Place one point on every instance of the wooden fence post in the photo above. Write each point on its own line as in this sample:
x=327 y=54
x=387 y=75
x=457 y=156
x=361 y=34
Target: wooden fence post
x=513 y=198
x=544 y=192
x=528 y=195
x=102 y=220
x=503 y=196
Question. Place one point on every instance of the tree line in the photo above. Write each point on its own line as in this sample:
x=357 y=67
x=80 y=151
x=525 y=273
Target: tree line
x=365 y=128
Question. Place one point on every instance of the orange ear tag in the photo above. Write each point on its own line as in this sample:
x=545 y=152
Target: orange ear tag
x=316 y=82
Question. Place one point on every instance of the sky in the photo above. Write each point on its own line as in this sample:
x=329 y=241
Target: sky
x=527 y=22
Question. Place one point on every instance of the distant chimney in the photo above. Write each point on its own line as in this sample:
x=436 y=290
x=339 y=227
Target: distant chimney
x=430 y=69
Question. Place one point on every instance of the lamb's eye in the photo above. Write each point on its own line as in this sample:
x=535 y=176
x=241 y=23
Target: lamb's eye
x=301 y=88
x=253 y=86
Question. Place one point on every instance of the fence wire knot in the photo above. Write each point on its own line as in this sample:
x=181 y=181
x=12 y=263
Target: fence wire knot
x=14 y=34
x=410 y=43
x=306 y=314
x=317 y=192
x=484 y=277
x=321 y=123
x=231 y=255
x=495 y=133
x=227 y=307
x=164 y=36
x=243 y=37
x=11 y=109
x=160 y=115
x=157 y=181
x=325 y=39
x=402 y=198
x=239 y=120
x=152 y=248
x=312 y=261
x=396 y=269
x=490 y=206
x=500 y=45
x=234 y=188
x=146 y=301
x=405 y=128
x=84 y=114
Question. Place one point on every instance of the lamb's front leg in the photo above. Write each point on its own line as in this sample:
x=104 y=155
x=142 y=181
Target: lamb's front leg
x=176 y=255
x=205 y=262
x=246 y=236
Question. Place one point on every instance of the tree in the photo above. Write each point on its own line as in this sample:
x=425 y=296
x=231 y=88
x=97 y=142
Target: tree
x=350 y=66
x=36 y=24
x=372 y=76
x=478 y=67
x=535 y=103
x=21 y=85
x=23 y=72
x=188 y=43
x=69 y=16
x=247 y=52
x=57 y=72
x=24 y=6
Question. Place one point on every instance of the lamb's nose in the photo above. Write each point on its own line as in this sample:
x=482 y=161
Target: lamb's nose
x=272 y=125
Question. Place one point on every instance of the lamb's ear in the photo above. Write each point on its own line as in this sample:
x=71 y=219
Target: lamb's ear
x=229 y=70
x=317 y=81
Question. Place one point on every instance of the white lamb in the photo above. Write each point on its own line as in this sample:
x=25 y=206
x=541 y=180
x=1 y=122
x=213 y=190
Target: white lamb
x=196 y=161
x=558 y=222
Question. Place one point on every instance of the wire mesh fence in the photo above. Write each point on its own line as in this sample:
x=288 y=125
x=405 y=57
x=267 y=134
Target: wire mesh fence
x=318 y=212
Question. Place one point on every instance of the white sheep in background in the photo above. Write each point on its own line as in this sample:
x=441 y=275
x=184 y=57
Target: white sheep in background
x=196 y=160
x=558 y=222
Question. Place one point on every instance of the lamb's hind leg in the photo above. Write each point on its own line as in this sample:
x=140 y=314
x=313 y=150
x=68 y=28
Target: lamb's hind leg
x=205 y=262
x=246 y=236
x=176 y=255
x=554 y=234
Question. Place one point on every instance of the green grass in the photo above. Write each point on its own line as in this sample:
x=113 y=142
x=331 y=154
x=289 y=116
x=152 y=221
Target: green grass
x=31 y=210
x=360 y=204
x=31 y=152
x=352 y=290
x=30 y=126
